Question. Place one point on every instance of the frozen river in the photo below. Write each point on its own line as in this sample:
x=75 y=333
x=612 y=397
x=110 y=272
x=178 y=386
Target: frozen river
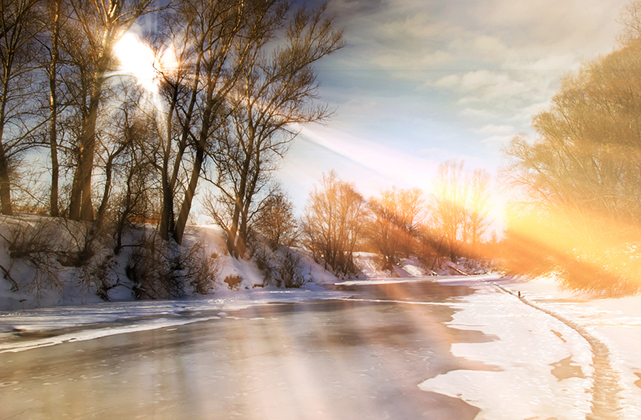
x=343 y=358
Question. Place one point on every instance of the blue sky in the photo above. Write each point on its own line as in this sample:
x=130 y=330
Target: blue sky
x=420 y=82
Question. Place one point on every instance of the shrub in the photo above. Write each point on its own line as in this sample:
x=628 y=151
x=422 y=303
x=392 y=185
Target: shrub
x=152 y=268
x=233 y=281
x=36 y=244
x=201 y=269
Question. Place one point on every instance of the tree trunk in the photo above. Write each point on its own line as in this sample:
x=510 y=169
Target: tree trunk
x=5 y=185
x=81 y=207
x=53 y=113
x=185 y=208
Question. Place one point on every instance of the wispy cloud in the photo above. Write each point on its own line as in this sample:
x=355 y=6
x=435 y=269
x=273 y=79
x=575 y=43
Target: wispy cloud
x=435 y=78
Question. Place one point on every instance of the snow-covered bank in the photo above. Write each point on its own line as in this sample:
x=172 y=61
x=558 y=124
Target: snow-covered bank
x=541 y=365
x=616 y=322
x=538 y=367
x=48 y=262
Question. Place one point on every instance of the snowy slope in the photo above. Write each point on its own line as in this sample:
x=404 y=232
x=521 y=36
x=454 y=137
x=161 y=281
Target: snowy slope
x=34 y=276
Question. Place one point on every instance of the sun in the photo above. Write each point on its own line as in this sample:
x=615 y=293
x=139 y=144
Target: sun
x=138 y=60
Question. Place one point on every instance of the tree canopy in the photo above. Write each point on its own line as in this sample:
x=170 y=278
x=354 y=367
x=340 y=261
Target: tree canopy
x=582 y=172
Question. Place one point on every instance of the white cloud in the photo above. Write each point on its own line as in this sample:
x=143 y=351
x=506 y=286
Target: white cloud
x=492 y=129
x=451 y=81
x=481 y=114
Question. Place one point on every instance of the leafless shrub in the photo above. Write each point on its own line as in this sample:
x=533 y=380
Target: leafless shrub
x=280 y=267
x=233 y=281
x=161 y=269
x=201 y=268
x=98 y=274
x=290 y=270
x=152 y=268
x=37 y=245
x=264 y=259
x=79 y=246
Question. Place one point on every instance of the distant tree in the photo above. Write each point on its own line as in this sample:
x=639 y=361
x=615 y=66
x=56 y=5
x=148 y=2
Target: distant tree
x=448 y=205
x=395 y=219
x=332 y=223
x=477 y=207
x=275 y=220
x=460 y=203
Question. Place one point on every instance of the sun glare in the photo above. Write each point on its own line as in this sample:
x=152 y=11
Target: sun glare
x=138 y=60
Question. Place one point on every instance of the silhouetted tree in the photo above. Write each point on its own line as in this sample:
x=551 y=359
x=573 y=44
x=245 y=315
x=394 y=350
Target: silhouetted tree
x=101 y=23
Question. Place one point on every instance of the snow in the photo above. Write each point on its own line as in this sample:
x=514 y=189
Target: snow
x=616 y=322
x=518 y=383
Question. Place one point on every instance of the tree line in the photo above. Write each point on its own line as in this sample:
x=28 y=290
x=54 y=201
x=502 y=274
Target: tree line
x=242 y=83
x=448 y=224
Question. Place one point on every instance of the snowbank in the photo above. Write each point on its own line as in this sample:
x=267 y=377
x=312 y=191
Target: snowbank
x=540 y=365
x=36 y=270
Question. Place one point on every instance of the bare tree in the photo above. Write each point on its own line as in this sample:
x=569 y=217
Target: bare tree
x=630 y=18
x=18 y=28
x=54 y=20
x=126 y=145
x=275 y=220
x=460 y=204
x=395 y=219
x=273 y=96
x=448 y=204
x=332 y=223
x=102 y=23
x=477 y=207
x=203 y=35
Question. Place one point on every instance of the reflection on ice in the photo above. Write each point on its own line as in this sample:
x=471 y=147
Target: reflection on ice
x=22 y=330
